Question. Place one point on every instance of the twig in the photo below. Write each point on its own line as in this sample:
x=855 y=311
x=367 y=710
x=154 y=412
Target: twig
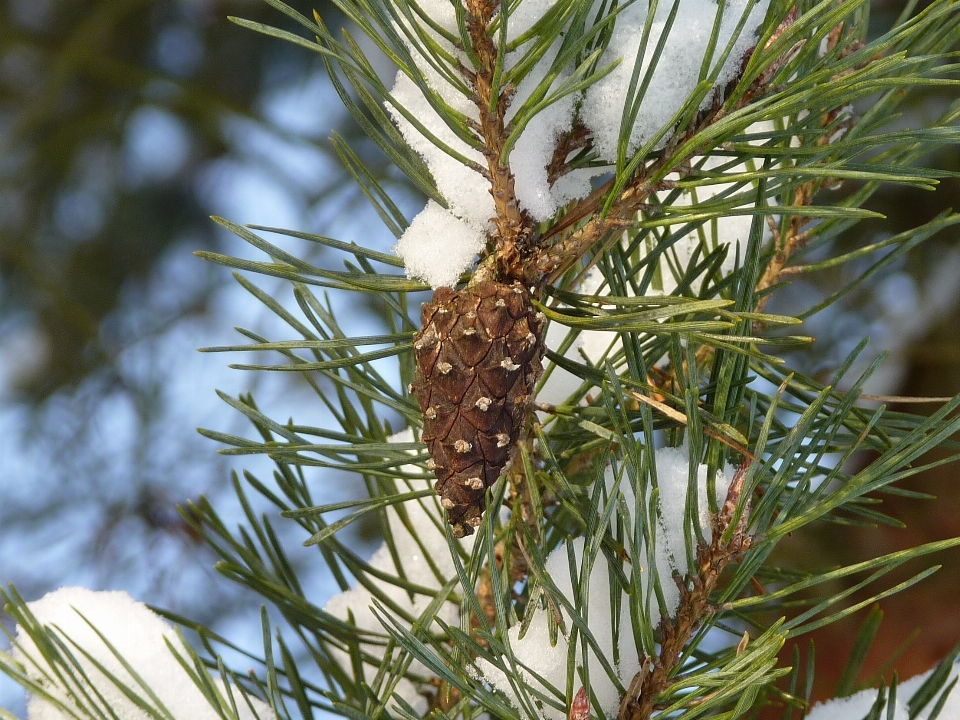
x=684 y=420
x=557 y=257
x=694 y=605
x=513 y=243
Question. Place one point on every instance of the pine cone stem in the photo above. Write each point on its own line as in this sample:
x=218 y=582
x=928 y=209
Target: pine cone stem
x=479 y=350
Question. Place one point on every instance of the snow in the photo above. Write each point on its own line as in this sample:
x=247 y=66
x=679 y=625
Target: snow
x=139 y=636
x=536 y=144
x=677 y=71
x=558 y=384
x=538 y=657
x=438 y=246
x=466 y=191
x=613 y=634
x=425 y=515
x=859 y=704
x=601 y=109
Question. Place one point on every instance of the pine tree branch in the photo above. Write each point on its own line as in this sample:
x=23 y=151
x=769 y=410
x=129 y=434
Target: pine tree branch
x=557 y=257
x=577 y=138
x=795 y=239
x=601 y=228
x=782 y=81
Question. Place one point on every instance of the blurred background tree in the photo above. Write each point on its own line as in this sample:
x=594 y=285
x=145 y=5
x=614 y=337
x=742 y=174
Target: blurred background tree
x=113 y=113
x=123 y=125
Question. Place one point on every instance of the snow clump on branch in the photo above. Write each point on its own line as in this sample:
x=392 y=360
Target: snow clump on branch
x=861 y=704
x=100 y=628
x=678 y=68
x=440 y=258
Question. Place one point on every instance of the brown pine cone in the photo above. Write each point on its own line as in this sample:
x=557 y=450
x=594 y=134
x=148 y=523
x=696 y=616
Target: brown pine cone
x=478 y=356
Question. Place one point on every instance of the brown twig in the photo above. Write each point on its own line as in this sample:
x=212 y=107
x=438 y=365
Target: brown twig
x=795 y=238
x=513 y=243
x=577 y=138
x=695 y=591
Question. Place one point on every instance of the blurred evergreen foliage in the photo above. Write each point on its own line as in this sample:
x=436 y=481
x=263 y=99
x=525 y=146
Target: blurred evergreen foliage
x=97 y=230
x=79 y=220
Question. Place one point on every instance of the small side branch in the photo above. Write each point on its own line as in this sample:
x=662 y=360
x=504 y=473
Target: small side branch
x=675 y=633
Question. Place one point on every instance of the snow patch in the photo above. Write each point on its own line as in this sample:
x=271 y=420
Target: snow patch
x=438 y=246
x=426 y=563
x=139 y=636
x=612 y=630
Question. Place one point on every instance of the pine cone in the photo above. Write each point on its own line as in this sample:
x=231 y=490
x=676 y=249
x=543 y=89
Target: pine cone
x=478 y=356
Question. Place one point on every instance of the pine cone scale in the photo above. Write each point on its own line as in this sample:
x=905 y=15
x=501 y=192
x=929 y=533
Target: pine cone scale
x=453 y=386
x=496 y=320
x=470 y=345
x=438 y=420
x=428 y=351
x=478 y=356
